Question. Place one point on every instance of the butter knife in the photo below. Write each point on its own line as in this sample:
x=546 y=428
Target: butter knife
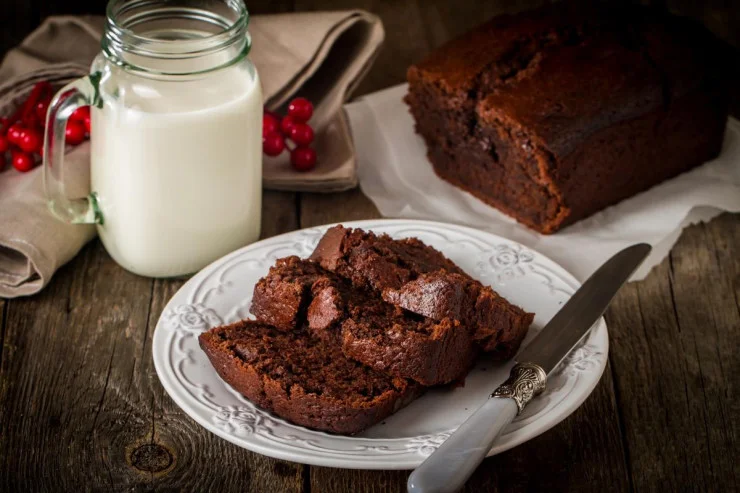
x=447 y=469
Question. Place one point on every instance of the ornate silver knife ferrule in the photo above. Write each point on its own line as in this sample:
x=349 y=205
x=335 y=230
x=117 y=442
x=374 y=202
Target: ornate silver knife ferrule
x=525 y=381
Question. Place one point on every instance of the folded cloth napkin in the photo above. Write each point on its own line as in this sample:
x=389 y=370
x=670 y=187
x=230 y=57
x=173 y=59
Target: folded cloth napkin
x=319 y=55
x=395 y=174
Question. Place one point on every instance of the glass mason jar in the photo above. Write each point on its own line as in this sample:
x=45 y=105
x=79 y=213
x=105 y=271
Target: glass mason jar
x=176 y=126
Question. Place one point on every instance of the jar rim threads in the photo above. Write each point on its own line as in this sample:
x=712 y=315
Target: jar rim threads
x=172 y=32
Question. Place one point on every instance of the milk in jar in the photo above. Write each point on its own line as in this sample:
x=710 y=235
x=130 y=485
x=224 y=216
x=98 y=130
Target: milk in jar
x=176 y=136
x=176 y=168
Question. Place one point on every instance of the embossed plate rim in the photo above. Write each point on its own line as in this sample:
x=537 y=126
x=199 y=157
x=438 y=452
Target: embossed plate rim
x=299 y=444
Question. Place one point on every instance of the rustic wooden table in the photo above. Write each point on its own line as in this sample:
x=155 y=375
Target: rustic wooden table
x=81 y=407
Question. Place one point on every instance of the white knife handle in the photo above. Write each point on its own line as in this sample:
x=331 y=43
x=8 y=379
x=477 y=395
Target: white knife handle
x=447 y=469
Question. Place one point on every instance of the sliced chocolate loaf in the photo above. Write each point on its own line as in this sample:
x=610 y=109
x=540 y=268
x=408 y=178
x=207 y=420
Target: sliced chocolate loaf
x=304 y=379
x=499 y=327
x=389 y=338
x=418 y=278
x=377 y=261
x=378 y=334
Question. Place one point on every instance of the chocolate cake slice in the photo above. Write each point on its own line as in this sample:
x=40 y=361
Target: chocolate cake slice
x=499 y=327
x=389 y=338
x=303 y=379
x=378 y=334
x=418 y=278
x=377 y=261
x=283 y=294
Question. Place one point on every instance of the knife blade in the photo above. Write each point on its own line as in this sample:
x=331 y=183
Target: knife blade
x=583 y=309
x=447 y=469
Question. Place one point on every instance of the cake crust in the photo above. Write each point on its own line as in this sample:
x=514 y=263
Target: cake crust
x=418 y=278
x=304 y=380
x=498 y=326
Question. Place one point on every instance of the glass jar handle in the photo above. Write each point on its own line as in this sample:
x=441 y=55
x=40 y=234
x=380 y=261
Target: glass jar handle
x=82 y=92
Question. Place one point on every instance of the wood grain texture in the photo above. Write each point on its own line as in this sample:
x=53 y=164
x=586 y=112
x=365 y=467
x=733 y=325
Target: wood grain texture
x=81 y=407
x=674 y=339
x=581 y=453
x=2 y=334
x=318 y=208
x=195 y=451
x=69 y=369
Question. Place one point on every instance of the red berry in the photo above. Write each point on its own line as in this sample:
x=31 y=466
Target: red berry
x=14 y=133
x=270 y=124
x=4 y=146
x=80 y=114
x=301 y=134
x=88 y=124
x=286 y=124
x=303 y=158
x=273 y=144
x=74 y=133
x=41 y=108
x=30 y=140
x=300 y=109
x=30 y=120
x=22 y=161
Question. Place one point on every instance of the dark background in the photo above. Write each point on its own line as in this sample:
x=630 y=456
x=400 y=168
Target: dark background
x=19 y=17
x=435 y=21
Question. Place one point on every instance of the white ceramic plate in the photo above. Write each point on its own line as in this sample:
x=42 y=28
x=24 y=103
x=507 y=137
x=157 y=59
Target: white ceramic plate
x=221 y=293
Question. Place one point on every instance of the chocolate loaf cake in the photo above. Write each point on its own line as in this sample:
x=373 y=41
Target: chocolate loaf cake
x=357 y=331
x=418 y=278
x=554 y=114
x=371 y=331
x=303 y=379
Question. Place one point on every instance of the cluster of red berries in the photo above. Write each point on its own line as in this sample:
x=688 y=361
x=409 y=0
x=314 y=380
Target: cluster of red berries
x=278 y=133
x=22 y=134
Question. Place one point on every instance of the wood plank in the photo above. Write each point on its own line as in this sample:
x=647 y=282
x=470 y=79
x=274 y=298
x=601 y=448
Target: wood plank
x=646 y=364
x=673 y=344
x=279 y=212
x=78 y=388
x=709 y=330
x=318 y=208
x=3 y=313
x=67 y=372
x=194 y=450
x=583 y=451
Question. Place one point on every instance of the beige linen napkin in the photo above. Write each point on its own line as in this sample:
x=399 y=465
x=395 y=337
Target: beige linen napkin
x=320 y=55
